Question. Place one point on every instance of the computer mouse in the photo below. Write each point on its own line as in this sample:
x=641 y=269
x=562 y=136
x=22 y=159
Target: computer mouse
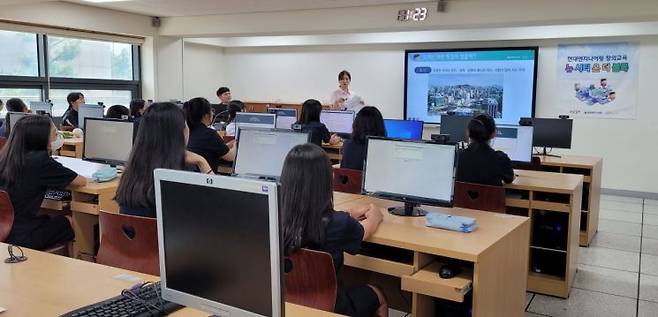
x=448 y=271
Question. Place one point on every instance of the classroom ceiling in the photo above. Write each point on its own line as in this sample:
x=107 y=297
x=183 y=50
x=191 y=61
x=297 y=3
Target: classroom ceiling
x=168 y=8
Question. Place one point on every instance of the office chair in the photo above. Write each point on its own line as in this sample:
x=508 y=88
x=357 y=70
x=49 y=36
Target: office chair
x=347 y=180
x=311 y=281
x=129 y=242
x=481 y=197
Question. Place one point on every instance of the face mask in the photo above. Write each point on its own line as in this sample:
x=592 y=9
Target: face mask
x=57 y=144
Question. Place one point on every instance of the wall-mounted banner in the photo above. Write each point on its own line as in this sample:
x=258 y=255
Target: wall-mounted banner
x=598 y=80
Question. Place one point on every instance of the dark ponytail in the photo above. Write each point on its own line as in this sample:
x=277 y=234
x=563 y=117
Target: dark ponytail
x=481 y=129
x=195 y=109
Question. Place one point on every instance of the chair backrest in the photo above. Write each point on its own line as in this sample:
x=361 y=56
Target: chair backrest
x=129 y=242
x=3 y=141
x=311 y=281
x=481 y=197
x=6 y=215
x=347 y=180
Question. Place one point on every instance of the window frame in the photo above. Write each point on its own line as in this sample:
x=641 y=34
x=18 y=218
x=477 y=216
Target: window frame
x=44 y=82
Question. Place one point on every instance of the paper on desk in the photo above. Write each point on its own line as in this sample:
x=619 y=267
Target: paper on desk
x=82 y=168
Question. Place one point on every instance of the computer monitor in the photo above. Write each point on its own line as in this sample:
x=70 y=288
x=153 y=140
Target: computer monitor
x=285 y=117
x=254 y=120
x=551 y=133
x=38 y=106
x=108 y=140
x=415 y=172
x=89 y=111
x=456 y=127
x=261 y=152
x=13 y=117
x=219 y=245
x=404 y=129
x=515 y=141
x=338 y=121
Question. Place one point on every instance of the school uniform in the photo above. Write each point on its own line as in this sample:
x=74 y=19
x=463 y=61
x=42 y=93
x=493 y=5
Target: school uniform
x=354 y=154
x=480 y=164
x=319 y=132
x=70 y=118
x=41 y=172
x=207 y=143
x=345 y=234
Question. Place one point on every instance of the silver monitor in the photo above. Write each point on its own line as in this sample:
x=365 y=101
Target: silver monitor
x=37 y=106
x=13 y=117
x=254 y=120
x=338 y=121
x=222 y=258
x=89 y=111
x=415 y=172
x=261 y=152
x=515 y=141
x=285 y=117
x=108 y=140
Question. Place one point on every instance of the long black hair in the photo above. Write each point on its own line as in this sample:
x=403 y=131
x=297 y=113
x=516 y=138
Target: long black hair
x=117 y=112
x=135 y=106
x=195 y=109
x=234 y=107
x=311 y=110
x=16 y=105
x=160 y=143
x=73 y=97
x=31 y=133
x=368 y=122
x=481 y=129
x=306 y=196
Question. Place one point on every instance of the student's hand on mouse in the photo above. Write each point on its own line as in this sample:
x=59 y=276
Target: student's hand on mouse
x=374 y=213
x=197 y=160
x=359 y=213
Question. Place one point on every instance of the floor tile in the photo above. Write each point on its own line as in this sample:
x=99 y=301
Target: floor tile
x=618 y=215
x=649 y=287
x=528 y=298
x=529 y=314
x=623 y=206
x=396 y=313
x=649 y=231
x=616 y=241
x=610 y=258
x=650 y=219
x=649 y=264
x=582 y=303
x=647 y=309
x=605 y=280
x=650 y=246
x=627 y=199
x=627 y=228
x=651 y=209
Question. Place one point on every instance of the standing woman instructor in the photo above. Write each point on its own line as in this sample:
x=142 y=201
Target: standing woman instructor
x=340 y=95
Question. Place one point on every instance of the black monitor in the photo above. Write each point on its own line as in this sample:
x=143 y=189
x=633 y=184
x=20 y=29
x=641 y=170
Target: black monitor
x=219 y=243
x=551 y=133
x=414 y=172
x=456 y=127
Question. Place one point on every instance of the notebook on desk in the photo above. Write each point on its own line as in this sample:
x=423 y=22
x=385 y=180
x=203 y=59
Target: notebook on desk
x=82 y=168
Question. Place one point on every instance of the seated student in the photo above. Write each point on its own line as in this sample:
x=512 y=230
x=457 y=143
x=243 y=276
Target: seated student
x=479 y=163
x=137 y=108
x=310 y=122
x=310 y=221
x=13 y=105
x=70 y=117
x=118 y=112
x=27 y=171
x=368 y=122
x=204 y=140
x=160 y=143
x=224 y=96
x=234 y=107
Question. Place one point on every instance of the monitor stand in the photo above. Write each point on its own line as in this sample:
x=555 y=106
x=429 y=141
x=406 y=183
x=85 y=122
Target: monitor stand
x=409 y=210
x=544 y=153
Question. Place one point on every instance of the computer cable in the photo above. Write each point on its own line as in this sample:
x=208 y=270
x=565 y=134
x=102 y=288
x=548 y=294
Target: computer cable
x=128 y=293
x=13 y=258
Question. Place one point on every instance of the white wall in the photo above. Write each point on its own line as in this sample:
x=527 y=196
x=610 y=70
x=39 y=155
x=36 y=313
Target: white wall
x=203 y=71
x=294 y=74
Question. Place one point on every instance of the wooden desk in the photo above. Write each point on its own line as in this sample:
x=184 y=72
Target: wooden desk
x=496 y=254
x=591 y=169
x=51 y=285
x=540 y=196
x=335 y=152
x=72 y=148
x=262 y=106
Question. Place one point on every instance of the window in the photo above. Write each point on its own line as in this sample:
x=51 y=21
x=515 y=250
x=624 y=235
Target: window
x=76 y=58
x=107 y=97
x=18 y=56
x=26 y=94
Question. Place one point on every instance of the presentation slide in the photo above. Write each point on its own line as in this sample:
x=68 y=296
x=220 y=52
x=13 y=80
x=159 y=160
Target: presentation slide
x=498 y=82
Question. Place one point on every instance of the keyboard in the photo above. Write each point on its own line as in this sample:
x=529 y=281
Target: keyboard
x=140 y=301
